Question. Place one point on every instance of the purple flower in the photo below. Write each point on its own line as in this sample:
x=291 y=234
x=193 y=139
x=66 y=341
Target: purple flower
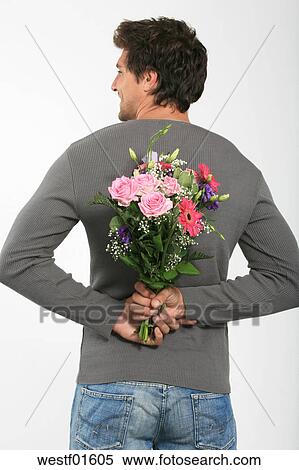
x=124 y=234
x=207 y=194
x=213 y=206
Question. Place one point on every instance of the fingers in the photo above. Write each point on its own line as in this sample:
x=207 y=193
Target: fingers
x=167 y=323
x=161 y=297
x=171 y=296
x=159 y=336
x=141 y=302
x=139 y=313
x=143 y=290
x=156 y=341
x=164 y=319
x=164 y=328
x=140 y=299
x=185 y=322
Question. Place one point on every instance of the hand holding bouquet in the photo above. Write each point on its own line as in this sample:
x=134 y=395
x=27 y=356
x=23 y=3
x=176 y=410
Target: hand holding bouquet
x=160 y=210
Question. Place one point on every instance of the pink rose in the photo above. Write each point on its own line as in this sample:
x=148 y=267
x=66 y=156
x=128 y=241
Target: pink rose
x=147 y=183
x=170 y=186
x=124 y=190
x=154 y=204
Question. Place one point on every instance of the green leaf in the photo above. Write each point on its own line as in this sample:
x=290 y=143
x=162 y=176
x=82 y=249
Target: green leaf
x=158 y=242
x=175 y=212
x=142 y=237
x=146 y=261
x=157 y=285
x=187 y=268
x=147 y=248
x=128 y=261
x=153 y=284
x=198 y=255
x=115 y=222
x=169 y=275
x=133 y=209
x=100 y=198
x=145 y=279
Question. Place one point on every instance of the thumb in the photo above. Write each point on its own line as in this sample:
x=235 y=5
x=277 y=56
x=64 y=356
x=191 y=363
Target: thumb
x=160 y=298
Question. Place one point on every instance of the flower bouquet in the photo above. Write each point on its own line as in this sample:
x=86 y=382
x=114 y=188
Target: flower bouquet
x=159 y=211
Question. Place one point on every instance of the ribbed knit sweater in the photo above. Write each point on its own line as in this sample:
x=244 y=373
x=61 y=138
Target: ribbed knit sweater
x=196 y=356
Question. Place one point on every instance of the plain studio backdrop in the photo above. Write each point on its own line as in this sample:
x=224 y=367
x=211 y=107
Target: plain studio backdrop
x=57 y=66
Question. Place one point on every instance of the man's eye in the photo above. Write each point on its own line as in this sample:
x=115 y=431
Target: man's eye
x=118 y=71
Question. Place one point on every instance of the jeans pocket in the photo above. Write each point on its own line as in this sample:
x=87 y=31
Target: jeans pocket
x=102 y=419
x=214 y=422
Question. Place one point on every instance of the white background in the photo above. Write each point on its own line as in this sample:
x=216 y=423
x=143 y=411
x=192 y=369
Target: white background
x=57 y=67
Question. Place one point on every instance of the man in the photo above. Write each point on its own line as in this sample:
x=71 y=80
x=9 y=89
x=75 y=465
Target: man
x=173 y=392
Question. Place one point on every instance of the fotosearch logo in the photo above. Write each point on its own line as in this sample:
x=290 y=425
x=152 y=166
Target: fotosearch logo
x=213 y=315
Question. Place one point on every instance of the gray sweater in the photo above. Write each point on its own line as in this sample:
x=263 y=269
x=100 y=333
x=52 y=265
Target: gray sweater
x=196 y=356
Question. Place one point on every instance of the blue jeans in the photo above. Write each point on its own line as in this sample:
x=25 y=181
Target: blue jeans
x=144 y=415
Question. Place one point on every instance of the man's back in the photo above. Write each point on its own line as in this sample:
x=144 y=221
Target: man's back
x=195 y=357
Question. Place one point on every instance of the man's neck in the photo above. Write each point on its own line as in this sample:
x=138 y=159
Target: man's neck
x=164 y=113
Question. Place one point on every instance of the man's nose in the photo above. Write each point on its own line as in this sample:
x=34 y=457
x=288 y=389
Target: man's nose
x=113 y=87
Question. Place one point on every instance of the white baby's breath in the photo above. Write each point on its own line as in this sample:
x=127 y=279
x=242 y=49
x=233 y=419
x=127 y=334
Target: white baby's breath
x=179 y=162
x=116 y=247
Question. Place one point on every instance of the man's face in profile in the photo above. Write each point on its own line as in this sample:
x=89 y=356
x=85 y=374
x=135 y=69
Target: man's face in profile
x=130 y=92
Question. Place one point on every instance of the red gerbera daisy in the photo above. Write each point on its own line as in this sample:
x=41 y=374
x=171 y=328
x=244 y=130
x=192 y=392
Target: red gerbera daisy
x=203 y=175
x=189 y=217
x=214 y=184
x=204 y=170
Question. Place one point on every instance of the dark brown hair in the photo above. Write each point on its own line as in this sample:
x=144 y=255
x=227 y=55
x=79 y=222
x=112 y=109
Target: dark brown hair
x=170 y=48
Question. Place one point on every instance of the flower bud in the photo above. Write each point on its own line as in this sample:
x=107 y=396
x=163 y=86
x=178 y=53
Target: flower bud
x=172 y=156
x=198 y=195
x=133 y=155
x=223 y=197
x=165 y=129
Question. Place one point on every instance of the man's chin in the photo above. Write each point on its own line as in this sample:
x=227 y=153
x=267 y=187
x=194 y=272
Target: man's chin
x=123 y=117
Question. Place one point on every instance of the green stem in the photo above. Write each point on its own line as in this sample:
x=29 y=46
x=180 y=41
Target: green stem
x=156 y=137
x=167 y=244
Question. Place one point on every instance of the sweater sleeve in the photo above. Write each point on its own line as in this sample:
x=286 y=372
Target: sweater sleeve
x=27 y=264
x=272 y=284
